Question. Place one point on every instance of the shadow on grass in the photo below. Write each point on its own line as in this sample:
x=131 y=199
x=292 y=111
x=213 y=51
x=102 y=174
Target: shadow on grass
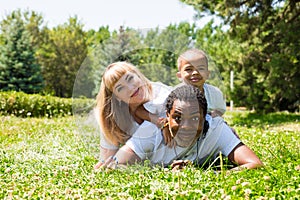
x=255 y=119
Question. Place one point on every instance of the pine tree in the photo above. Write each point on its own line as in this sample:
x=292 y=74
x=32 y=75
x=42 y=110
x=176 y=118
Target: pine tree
x=19 y=70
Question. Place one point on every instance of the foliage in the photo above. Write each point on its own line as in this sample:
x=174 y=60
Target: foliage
x=34 y=105
x=89 y=71
x=95 y=38
x=157 y=64
x=61 y=55
x=256 y=120
x=154 y=52
x=19 y=68
x=44 y=158
x=266 y=36
x=257 y=40
x=158 y=60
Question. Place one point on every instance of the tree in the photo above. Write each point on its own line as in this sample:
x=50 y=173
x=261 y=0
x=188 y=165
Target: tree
x=223 y=54
x=115 y=48
x=85 y=84
x=158 y=60
x=61 y=56
x=268 y=36
x=19 y=68
x=95 y=38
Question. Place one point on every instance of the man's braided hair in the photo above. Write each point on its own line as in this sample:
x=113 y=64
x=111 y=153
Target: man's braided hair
x=186 y=93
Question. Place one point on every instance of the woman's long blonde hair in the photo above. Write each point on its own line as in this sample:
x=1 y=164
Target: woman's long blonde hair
x=114 y=116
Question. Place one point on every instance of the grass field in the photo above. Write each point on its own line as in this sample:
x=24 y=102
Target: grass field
x=53 y=159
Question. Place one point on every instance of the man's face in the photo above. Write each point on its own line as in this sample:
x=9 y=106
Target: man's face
x=186 y=122
x=194 y=73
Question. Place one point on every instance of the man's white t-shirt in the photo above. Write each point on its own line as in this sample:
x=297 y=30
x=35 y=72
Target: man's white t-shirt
x=148 y=144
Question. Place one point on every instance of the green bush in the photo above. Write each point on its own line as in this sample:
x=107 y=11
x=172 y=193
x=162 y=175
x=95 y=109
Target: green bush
x=33 y=105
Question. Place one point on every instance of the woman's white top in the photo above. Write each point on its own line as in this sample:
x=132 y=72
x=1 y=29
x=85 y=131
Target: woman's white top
x=155 y=106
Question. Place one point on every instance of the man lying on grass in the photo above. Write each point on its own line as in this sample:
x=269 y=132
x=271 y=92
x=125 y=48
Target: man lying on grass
x=197 y=137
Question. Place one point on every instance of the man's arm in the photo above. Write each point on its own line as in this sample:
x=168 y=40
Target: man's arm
x=244 y=157
x=235 y=150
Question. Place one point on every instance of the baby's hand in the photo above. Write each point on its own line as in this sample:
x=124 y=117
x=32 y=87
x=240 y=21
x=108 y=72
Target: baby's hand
x=215 y=113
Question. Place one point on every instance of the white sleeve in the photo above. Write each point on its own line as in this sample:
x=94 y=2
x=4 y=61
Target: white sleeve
x=105 y=143
x=214 y=98
x=143 y=140
x=160 y=93
x=228 y=140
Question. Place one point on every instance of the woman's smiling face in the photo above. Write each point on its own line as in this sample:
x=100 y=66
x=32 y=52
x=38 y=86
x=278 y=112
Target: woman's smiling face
x=186 y=122
x=130 y=89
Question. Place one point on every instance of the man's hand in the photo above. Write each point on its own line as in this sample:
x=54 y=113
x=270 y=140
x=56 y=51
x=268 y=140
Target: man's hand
x=180 y=164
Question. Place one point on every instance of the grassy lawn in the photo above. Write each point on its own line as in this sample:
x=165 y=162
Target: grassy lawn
x=53 y=159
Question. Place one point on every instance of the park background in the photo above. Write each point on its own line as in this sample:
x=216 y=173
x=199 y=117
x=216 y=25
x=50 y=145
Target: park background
x=48 y=74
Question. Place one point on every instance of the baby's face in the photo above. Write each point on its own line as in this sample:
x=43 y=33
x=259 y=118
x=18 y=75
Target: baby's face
x=186 y=122
x=194 y=72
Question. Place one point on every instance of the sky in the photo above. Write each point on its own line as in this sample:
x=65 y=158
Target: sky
x=138 y=14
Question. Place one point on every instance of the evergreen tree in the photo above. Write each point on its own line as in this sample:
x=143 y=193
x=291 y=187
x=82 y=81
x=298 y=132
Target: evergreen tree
x=19 y=70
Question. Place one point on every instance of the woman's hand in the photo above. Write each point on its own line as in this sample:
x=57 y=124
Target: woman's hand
x=99 y=164
x=105 y=155
x=110 y=163
x=124 y=156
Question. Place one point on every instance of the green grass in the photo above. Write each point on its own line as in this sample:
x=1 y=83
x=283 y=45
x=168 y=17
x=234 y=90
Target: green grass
x=45 y=158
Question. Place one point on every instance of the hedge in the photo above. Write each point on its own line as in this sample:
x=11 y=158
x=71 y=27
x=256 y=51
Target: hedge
x=34 y=105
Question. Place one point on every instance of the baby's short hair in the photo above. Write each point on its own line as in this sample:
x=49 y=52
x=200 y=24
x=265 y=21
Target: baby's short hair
x=192 y=56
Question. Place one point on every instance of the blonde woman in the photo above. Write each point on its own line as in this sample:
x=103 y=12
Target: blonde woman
x=124 y=89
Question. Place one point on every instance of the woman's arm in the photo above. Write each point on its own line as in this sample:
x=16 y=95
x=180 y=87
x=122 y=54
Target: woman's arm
x=127 y=156
x=244 y=157
x=137 y=147
x=124 y=156
x=105 y=154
